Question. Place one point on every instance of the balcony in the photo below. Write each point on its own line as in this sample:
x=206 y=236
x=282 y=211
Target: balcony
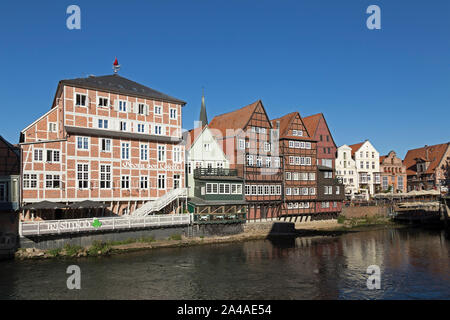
x=215 y=173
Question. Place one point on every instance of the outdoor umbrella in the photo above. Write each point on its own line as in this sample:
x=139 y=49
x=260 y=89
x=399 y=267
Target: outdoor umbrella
x=44 y=205
x=87 y=204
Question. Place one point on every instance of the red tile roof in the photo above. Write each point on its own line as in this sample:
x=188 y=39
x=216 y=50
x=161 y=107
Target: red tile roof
x=355 y=147
x=237 y=119
x=311 y=123
x=285 y=124
x=433 y=154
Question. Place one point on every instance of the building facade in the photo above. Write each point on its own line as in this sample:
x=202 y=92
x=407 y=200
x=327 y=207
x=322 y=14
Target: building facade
x=9 y=176
x=330 y=193
x=393 y=173
x=107 y=139
x=367 y=161
x=251 y=144
x=326 y=147
x=428 y=167
x=298 y=150
x=346 y=171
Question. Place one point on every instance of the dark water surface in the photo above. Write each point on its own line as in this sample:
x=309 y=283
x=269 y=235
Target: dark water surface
x=415 y=264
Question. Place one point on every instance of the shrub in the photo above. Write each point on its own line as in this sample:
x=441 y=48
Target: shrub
x=175 y=237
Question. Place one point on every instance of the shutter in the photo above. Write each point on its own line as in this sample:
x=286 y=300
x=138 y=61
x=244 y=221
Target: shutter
x=116 y=105
x=135 y=107
x=147 y=110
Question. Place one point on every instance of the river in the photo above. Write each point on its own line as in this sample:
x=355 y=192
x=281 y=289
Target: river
x=414 y=264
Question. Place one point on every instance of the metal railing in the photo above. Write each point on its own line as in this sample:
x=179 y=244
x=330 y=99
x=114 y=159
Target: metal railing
x=220 y=218
x=53 y=227
x=160 y=203
x=215 y=172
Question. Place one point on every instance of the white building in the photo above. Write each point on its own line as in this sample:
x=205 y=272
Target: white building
x=364 y=167
x=346 y=170
x=203 y=151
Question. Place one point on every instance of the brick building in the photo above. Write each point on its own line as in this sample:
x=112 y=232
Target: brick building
x=107 y=139
x=326 y=147
x=428 y=167
x=393 y=173
x=298 y=150
x=251 y=144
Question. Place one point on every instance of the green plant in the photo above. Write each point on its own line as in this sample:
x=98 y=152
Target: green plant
x=175 y=237
x=71 y=250
x=99 y=247
x=54 y=252
x=341 y=219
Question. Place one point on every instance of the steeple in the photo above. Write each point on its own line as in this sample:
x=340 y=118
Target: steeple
x=203 y=117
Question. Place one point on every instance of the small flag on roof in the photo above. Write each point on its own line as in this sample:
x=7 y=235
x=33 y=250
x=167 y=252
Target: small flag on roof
x=116 y=66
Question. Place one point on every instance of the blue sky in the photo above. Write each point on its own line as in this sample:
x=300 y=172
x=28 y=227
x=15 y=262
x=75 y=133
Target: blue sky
x=391 y=86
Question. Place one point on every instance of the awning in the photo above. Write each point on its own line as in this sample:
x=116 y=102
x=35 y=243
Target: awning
x=87 y=204
x=44 y=205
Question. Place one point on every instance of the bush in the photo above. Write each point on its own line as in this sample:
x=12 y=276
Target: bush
x=71 y=250
x=341 y=219
x=99 y=247
x=54 y=252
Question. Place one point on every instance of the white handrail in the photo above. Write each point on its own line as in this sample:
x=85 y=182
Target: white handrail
x=160 y=203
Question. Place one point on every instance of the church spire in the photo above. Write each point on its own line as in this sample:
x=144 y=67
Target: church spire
x=203 y=117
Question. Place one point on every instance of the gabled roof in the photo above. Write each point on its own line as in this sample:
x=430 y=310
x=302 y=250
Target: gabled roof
x=433 y=154
x=382 y=158
x=117 y=84
x=192 y=135
x=285 y=124
x=12 y=147
x=312 y=123
x=355 y=147
x=237 y=119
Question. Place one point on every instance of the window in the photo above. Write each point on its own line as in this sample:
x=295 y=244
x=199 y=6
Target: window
x=103 y=124
x=206 y=146
x=239 y=189
x=123 y=126
x=312 y=176
x=373 y=165
x=227 y=189
x=106 y=145
x=288 y=176
x=102 y=102
x=105 y=176
x=141 y=128
x=268 y=162
x=291 y=160
x=291 y=144
x=83 y=143
x=295 y=191
x=52 y=155
x=272 y=190
x=278 y=189
x=266 y=146
x=276 y=163
x=254 y=190
x=241 y=144
x=38 y=154
x=142 y=109
x=247 y=190
x=161 y=181
x=158 y=110
x=125 y=151
x=80 y=100
x=144 y=152
x=299 y=145
x=338 y=189
x=208 y=188
x=158 y=130
x=173 y=113
x=385 y=182
x=161 y=153
x=125 y=182
x=177 y=155
x=260 y=190
x=312 y=191
x=83 y=176
x=52 y=181
x=267 y=190
x=308 y=145
x=52 y=127
x=262 y=130
x=144 y=182
x=288 y=191
x=215 y=188
x=259 y=161
x=122 y=106
x=29 y=181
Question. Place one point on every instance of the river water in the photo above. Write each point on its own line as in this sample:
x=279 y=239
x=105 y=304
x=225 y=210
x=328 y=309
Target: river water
x=414 y=264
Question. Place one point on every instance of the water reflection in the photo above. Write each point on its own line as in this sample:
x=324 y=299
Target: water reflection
x=414 y=264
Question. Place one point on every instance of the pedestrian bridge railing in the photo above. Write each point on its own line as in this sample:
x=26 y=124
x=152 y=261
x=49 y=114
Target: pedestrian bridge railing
x=54 y=227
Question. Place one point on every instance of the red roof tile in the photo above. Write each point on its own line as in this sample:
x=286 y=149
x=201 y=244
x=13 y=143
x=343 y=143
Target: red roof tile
x=237 y=119
x=355 y=147
x=311 y=123
x=285 y=124
x=433 y=154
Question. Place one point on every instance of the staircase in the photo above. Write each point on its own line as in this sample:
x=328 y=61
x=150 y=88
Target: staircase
x=160 y=203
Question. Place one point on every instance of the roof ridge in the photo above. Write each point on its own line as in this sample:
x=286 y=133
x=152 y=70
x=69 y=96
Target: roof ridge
x=248 y=105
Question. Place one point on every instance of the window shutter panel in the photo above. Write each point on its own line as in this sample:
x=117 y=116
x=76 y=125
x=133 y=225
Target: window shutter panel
x=147 y=110
x=116 y=105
